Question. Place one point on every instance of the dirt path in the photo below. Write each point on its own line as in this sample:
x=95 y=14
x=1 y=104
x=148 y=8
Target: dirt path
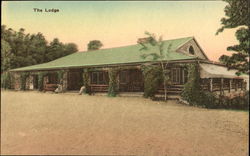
x=43 y=123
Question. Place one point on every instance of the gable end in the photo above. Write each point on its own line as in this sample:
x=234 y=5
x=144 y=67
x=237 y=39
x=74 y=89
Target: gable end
x=192 y=48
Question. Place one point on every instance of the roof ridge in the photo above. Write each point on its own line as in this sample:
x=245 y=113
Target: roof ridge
x=133 y=45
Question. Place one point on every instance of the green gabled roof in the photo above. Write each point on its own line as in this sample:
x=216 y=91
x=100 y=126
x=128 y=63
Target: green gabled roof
x=112 y=56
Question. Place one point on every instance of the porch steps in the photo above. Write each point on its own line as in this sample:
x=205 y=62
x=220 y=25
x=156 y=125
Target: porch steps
x=169 y=97
x=172 y=90
x=131 y=94
x=123 y=94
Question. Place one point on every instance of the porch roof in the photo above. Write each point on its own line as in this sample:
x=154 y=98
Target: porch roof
x=218 y=71
x=113 y=56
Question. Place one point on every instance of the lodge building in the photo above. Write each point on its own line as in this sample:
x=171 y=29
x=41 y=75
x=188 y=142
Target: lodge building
x=177 y=52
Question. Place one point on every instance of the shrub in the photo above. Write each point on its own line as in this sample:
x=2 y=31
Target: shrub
x=152 y=80
x=192 y=89
x=208 y=99
x=240 y=102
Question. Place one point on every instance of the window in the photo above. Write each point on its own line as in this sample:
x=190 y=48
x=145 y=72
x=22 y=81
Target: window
x=191 y=50
x=99 y=78
x=185 y=76
x=94 y=78
x=52 y=78
x=124 y=77
x=176 y=75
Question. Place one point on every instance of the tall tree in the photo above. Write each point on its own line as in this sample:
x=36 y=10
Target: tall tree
x=38 y=47
x=94 y=45
x=70 y=48
x=6 y=55
x=20 y=49
x=237 y=16
x=159 y=55
x=54 y=50
x=57 y=49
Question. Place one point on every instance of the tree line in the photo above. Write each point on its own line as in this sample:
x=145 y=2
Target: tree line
x=19 y=49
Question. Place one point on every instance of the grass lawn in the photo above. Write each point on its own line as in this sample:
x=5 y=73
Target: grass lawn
x=45 y=123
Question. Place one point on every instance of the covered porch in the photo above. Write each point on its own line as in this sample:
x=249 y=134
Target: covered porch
x=215 y=78
x=129 y=80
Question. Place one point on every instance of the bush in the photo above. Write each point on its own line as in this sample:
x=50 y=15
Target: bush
x=240 y=102
x=210 y=100
x=192 y=89
x=152 y=80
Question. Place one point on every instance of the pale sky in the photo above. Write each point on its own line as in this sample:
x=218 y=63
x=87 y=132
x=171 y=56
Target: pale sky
x=120 y=23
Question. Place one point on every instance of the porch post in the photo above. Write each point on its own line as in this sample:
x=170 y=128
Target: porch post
x=17 y=78
x=230 y=85
x=118 y=81
x=236 y=85
x=211 y=84
x=65 y=81
x=221 y=86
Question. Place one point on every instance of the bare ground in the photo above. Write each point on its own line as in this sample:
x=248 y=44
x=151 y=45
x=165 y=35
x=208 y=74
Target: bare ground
x=45 y=123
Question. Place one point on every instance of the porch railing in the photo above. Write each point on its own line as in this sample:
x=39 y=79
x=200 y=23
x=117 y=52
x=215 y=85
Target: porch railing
x=50 y=87
x=98 y=88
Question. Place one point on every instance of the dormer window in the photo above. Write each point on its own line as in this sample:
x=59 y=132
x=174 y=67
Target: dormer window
x=191 y=50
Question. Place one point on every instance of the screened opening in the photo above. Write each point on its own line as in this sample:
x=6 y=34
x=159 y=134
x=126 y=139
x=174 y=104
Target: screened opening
x=176 y=75
x=191 y=50
x=185 y=76
x=123 y=76
x=94 y=78
x=99 y=78
x=53 y=79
